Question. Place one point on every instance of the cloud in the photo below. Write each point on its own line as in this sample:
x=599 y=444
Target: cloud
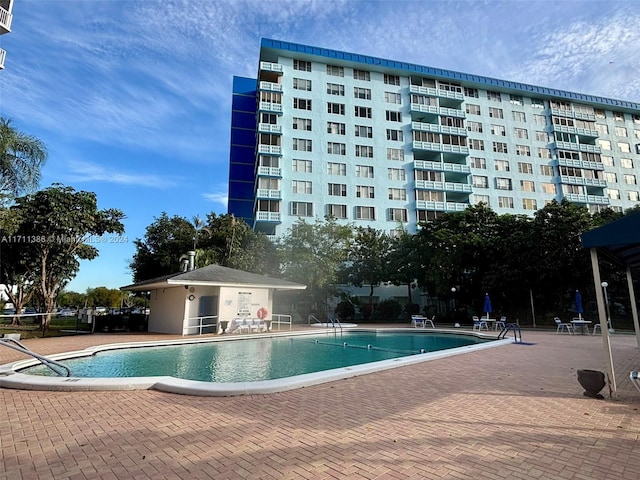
x=217 y=197
x=79 y=171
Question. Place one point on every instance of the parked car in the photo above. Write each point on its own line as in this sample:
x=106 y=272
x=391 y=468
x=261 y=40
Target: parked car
x=66 y=312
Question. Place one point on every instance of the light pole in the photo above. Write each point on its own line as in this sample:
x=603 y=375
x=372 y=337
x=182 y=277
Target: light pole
x=604 y=286
x=453 y=297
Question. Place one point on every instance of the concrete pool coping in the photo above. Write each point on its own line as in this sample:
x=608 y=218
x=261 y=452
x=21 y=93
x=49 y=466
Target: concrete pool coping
x=10 y=377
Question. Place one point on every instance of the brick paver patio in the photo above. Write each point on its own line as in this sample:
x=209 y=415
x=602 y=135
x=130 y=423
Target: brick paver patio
x=514 y=412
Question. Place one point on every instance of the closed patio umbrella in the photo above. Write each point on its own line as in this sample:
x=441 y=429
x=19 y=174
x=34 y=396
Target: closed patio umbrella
x=579 y=309
x=487 y=304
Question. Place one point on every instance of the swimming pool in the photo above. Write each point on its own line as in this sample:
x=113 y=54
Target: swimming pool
x=241 y=365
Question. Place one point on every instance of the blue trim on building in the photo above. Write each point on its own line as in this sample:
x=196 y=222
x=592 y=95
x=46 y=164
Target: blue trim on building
x=469 y=79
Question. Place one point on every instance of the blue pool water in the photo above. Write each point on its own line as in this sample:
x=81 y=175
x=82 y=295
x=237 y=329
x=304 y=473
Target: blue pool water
x=255 y=359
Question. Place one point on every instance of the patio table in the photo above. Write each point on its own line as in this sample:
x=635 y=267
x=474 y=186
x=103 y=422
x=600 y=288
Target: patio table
x=582 y=324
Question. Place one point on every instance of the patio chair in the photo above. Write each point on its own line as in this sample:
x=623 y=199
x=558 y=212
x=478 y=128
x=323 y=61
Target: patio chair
x=479 y=324
x=563 y=326
x=635 y=379
x=598 y=327
x=420 y=321
x=501 y=323
x=243 y=326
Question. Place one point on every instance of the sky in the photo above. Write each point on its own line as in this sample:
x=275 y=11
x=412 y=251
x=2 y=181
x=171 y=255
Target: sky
x=133 y=97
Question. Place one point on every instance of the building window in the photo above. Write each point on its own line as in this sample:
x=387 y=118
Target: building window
x=269 y=206
x=335 y=71
x=500 y=147
x=636 y=133
x=302 y=144
x=398 y=214
x=474 y=127
x=302 y=209
x=395 y=135
x=428 y=175
x=471 y=92
x=390 y=97
x=361 y=75
x=527 y=186
x=516 y=100
x=502 y=165
x=362 y=93
x=521 y=133
x=478 y=162
x=624 y=147
x=335 y=89
x=396 y=174
x=480 y=181
x=630 y=179
x=337 y=211
x=303 y=166
x=537 y=103
x=364 y=151
x=505 y=202
x=542 y=136
x=365 y=171
x=395 y=154
x=364 y=191
x=518 y=116
x=302 y=65
x=523 y=150
x=365 y=213
x=621 y=131
x=635 y=118
x=393 y=116
x=272 y=97
x=397 y=194
x=529 y=204
x=618 y=116
x=544 y=153
x=364 y=131
x=301 y=123
x=472 y=109
x=604 y=144
x=613 y=194
x=269 y=161
x=335 y=108
x=495 y=112
x=498 y=130
x=626 y=163
x=302 y=103
x=302 y=84
x=337 y=189
x=481 y=199
x=334 y=148
x=539 y=119
x=610 y=177
x=503 y=183
x=335 y=127
x=363 y=112
x=602 y=129
x=475 y=144
x=265 y=183
x=633 y=196
x=429 y=196
x=525 y=168
x=337 y=169
x=549 y=188
x=494 y=96
x=546 y=170
x=607 y=160
x=391 y=79
x=299 y=186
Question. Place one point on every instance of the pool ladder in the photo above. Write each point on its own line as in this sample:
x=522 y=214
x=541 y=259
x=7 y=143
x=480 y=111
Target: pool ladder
x=54 y=366
x=335 y=322
x=517 y=333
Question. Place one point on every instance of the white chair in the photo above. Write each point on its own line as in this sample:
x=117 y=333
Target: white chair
x=563 y=326
x=479 y=324
x=635 y=379
x=417 y=321
x=501 y=323
x=597 y=326
x=243 y=326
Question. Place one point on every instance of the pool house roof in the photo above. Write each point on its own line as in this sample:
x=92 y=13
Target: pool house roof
x=214 y=276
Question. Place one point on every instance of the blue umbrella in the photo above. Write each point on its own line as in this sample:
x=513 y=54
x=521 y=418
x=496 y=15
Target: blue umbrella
x=487 y=304
x=579 y=309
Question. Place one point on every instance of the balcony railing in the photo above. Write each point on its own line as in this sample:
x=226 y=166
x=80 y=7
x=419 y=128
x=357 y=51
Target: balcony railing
x=591 y=182
x=435 y=128
x=3 y=54
x=271 y=107
x=269 y=128
x=270 y=171
x=270 y=149
x=271 y=67
x=594 y=199
x=271 y=86
x=582 y=147
x=268 y=193
x=441 y=147
x=268 y=216
x=566 y=162
x=573 y=114
x=443 y=186
x=440 y=206
x=5 y=21
x=441 y=166
x=436 y=92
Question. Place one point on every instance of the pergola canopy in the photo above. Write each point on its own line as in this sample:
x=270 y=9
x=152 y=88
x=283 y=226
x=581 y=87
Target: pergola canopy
x=619 y=240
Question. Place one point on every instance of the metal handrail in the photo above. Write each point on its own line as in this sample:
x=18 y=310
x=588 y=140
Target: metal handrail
x=517 y=332
x=334 y=321
x=47 y=362
x=278 y=319
x=200 y=325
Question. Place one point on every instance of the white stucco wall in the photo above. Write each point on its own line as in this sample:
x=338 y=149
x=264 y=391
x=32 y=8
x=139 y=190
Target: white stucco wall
x=167 y=310
x=260 y=297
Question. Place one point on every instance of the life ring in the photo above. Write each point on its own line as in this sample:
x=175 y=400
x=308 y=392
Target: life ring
x=262 y=313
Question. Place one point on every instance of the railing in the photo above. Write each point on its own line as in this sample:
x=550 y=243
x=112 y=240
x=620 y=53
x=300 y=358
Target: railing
x=277 y=319
x=52 y=365
x=3 y=54
x=201 y=323
x=335 y=322
x=5 y=20
x=517 y=332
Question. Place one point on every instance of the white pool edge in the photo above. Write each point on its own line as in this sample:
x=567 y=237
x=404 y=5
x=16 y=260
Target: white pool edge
x=13 y=379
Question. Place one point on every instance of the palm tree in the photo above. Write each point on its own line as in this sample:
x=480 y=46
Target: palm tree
x=21 y=158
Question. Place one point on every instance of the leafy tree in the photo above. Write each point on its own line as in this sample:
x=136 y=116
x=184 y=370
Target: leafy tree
x=103 y=296
x=67 y=298
x=21 y=158
x=55 y=232
x=368 y=259
x=405 y=260
x=312 y=254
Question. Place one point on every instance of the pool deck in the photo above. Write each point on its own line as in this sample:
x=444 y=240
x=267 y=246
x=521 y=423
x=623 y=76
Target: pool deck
x=513 y=412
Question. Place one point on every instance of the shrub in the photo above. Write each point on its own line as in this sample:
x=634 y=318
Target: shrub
x=388 y=311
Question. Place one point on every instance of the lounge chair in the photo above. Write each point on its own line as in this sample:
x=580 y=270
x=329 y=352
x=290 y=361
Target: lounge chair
x=563 y=326
x=242 y=325
x=420 y=321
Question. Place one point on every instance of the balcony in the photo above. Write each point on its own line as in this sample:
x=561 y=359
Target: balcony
x=593 y=199
x=440 y=206
x=269 y=149
x=590 y=182
x=268 y=217
x=271 y=67
x=580 y=164
x=270 y=87
x=441 y=147
x=441 y=166
x=435 y=128
x=3 y=54
x=268 y=194
x=270 y=171
x=270 y=107
x=582 y=147
x=571 y=114
x=5 y=21
x=436 y=92
x=443 y=186
x=269 y=128
x=581 y=132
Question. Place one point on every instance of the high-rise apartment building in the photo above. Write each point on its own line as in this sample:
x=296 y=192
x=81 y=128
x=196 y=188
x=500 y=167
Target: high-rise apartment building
x=6 y=6
x=379 y=142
